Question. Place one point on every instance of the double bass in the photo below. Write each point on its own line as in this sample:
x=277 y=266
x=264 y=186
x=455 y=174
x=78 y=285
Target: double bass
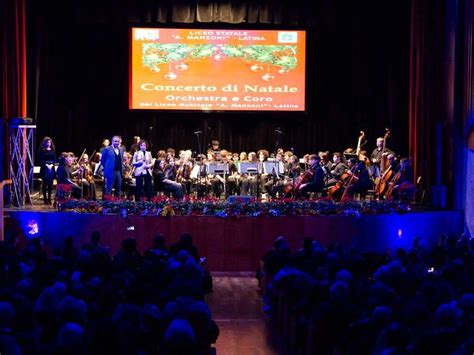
x=384 y=163
x=359 y=143
x=386 y=170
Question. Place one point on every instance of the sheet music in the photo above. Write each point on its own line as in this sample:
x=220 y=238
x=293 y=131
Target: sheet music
x=269 y=167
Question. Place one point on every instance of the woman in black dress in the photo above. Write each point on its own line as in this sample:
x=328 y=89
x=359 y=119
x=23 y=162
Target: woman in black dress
x=47 y=159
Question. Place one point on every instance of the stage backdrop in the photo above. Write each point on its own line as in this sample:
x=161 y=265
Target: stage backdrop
x=356 y=77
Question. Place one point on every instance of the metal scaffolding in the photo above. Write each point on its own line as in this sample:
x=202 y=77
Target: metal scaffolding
x=21 y=163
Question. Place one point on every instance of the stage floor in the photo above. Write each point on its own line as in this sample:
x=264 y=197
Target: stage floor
x=237 y=243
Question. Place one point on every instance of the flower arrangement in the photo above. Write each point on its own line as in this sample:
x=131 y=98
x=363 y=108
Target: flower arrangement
x=63 y=191
x=167 y=207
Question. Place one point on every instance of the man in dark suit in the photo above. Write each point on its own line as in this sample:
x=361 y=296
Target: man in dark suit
x=112 y=161
x=316 y=184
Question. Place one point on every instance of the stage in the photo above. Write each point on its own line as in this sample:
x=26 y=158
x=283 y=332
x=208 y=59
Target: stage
x=236 y=243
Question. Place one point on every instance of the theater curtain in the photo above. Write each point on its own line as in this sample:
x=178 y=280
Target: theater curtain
x=13 y=70
x=188 y=11
x=426 y=102
x=13 y=79
x=468 y=114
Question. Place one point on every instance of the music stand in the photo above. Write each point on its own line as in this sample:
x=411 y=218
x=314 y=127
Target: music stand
x=246 y=167
x=219 y=168
x=251 y=168
x=269 y=167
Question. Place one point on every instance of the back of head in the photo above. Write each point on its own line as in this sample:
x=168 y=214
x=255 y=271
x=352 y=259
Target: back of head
x=70 y=338
x=186 y=239
x=95 y=237
x=129 y=245
x=179 y=336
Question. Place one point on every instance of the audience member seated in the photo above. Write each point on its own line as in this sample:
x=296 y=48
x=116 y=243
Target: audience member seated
x=410 y=302
x=81 y=301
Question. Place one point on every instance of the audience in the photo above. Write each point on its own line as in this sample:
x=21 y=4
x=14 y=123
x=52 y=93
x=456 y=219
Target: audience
x=84 y=301
x=419 y=301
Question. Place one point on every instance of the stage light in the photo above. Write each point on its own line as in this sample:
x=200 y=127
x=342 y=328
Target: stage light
x=400 y=233
x=32 y=228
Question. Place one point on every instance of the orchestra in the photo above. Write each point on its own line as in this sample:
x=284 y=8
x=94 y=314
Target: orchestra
x=266 y=175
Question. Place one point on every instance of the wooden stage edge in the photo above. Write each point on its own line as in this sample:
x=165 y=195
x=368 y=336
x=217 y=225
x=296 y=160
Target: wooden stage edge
x=237 y=244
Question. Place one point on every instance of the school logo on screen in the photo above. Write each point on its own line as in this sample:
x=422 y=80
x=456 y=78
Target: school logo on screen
x=287 y=37
x=142 y=34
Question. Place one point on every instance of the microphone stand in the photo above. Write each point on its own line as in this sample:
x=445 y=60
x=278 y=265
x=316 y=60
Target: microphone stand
x=198 y=141
x=276 y=164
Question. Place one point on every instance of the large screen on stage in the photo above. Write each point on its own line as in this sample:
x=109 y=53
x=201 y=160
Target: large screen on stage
x=217 y=70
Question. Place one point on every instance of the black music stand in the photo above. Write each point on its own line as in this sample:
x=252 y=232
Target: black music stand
x=250 y=168
x=220 y=168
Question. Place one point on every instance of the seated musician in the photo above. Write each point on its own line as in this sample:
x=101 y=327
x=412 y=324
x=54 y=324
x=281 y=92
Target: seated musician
x=338 y=168
x=218 y=180
x=262 y=156
x=64 y=176
x=360 y=181
x=249 y=181
x=316 y=183
x=199 y=176
x=404 y=175
x=276 y=180
x=128 y=181
x=184 y=168
x=78 y=175
x=88 y=182
x=164 y=173
x=326 y=165
x=232 y=182
x=97 y=168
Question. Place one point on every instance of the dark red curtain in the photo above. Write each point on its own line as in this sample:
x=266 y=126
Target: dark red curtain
x=13 y=68
x=431 y=87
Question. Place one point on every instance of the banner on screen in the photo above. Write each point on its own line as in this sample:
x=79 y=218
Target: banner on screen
x=217 y=70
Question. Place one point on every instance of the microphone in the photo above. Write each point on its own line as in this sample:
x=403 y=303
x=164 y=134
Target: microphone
x=198 y=132
x=278 y=131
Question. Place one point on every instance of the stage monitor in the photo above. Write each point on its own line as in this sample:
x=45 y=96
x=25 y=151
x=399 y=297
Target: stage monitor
x=217 y=70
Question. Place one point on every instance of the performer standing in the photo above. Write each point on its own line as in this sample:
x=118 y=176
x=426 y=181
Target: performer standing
x=111 y=160
x=378 y=154
x=47 y=158
x=143 y=162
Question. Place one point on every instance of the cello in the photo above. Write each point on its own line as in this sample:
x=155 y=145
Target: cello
x=304 y=178
x=353 y=179
x=383 y=181
x=392 y=184
x=335 y=191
